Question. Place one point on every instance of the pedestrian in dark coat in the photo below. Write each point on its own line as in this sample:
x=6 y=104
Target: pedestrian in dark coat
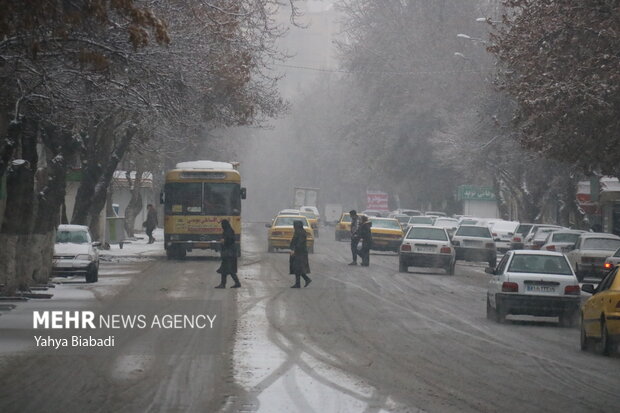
x=366 y=237
x=354 y=235
x=228 y=251
x=299 y=264
x=151 y=222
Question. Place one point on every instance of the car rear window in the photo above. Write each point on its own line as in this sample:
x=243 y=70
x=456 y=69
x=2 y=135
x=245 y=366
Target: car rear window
x=385 y=223
x=469 y=222
x=564 y=237
x=601 y=244
x=284 y=221
x=523 y=228
x=540 y=264
x=435 y=234
x=482 y=232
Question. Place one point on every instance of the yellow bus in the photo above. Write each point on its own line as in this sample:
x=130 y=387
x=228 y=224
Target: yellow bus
x=197 y=196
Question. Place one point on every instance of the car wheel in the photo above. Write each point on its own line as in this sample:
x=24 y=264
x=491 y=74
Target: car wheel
x=402 y=267
x=269 y=247
x=584 y=340
x=490 y=311
x=311 y=250
x=607 y=345
x=337 y=237
x=317 y=234
x=450 y=269
x=492 y=263
x=500 y=313
x=568 y=319
x=92 y=275
x=169 y=253
x=578 y=273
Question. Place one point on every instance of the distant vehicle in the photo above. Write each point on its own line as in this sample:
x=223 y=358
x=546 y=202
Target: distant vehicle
x=600 y=314
x=435 y=214
x=373 y=213
x=313 y=209
x=75 y=253
x=420 y=220
x=450 y=224
x=426 y=246
x=562 y=240
x=537 y=283
x=590 y=252
x=469 y=221
x=281 y=232
x=313 y=220
x=343 y=227
x=401 y=218
x=304 y=196
x=517 y=241
x=410 y=212
x=332 y=213
x=502 y=233
x=197 y=196
x=539 y=238
x=289 y=211
x=474 y=243
x=387 y=234
x=527 y=239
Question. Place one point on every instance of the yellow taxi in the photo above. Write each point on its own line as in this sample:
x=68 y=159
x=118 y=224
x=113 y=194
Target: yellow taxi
x=313 y=220
x=281 y=232
x=387 y=234
x=600 y=314
x=343 y=227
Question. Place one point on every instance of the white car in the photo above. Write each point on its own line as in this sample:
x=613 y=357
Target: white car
x=502 y=233
x=75 y=253
x=474 y=243
x=450 y=224
x=589 y=253
x=311 y=209
x=536 y=283
x=420 y=220
x=426 y=246
x=562 y=240
x=539 y=238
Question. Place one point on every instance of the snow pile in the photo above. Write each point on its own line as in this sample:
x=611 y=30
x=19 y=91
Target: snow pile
x=204 y=165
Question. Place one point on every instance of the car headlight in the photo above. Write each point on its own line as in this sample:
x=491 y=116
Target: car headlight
x=85 y=257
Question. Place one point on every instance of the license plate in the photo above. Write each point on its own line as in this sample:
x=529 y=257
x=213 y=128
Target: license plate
x=540 y=288
x=425 y=249
x=471 y=243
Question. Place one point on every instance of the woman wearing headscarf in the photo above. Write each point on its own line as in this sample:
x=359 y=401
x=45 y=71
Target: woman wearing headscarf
x=229 y=255
x=299 y=255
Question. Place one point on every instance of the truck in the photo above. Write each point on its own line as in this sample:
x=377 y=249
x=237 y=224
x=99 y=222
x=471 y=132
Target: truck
x=305 y=197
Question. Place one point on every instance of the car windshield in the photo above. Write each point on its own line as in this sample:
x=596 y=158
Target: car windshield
x=75 y=237
x=385 y=223
x=540 y=264
x=523 y=228
x=208 y=198
x=601 y=244
x=469 y=231
x=565 y=237
x=288 y=221
x=421 y=220
x=435 y=234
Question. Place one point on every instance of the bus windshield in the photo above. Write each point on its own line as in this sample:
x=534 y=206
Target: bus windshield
x=207 y=198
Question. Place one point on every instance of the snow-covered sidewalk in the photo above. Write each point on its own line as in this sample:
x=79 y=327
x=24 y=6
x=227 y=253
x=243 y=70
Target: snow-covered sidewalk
x=136 y=248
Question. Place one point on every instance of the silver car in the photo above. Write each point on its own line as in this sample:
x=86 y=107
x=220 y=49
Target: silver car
x=475 y=243
x=426 y=246
x=590 y=252
x=75 y=253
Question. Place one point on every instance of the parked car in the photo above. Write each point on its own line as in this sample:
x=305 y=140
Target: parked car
x=281 y=232
x=590 y=252
x=450 y=224
x=600 y=314
x=474 y=243
x=518 y=239
x=562 y=240
x=75 y=253
x=536 y=283
x=426 y=246
x=538 y=239
x=502 y=233
x=420 y=220
x=387 y=234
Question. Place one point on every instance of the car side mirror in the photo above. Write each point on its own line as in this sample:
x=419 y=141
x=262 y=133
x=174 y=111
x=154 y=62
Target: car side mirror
x=490 y=270
x=589 y=288
x=161 y=197
x=96 y=244
x=244 y=193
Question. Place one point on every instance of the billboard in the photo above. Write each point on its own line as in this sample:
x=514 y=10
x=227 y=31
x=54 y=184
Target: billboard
x=377 y=200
